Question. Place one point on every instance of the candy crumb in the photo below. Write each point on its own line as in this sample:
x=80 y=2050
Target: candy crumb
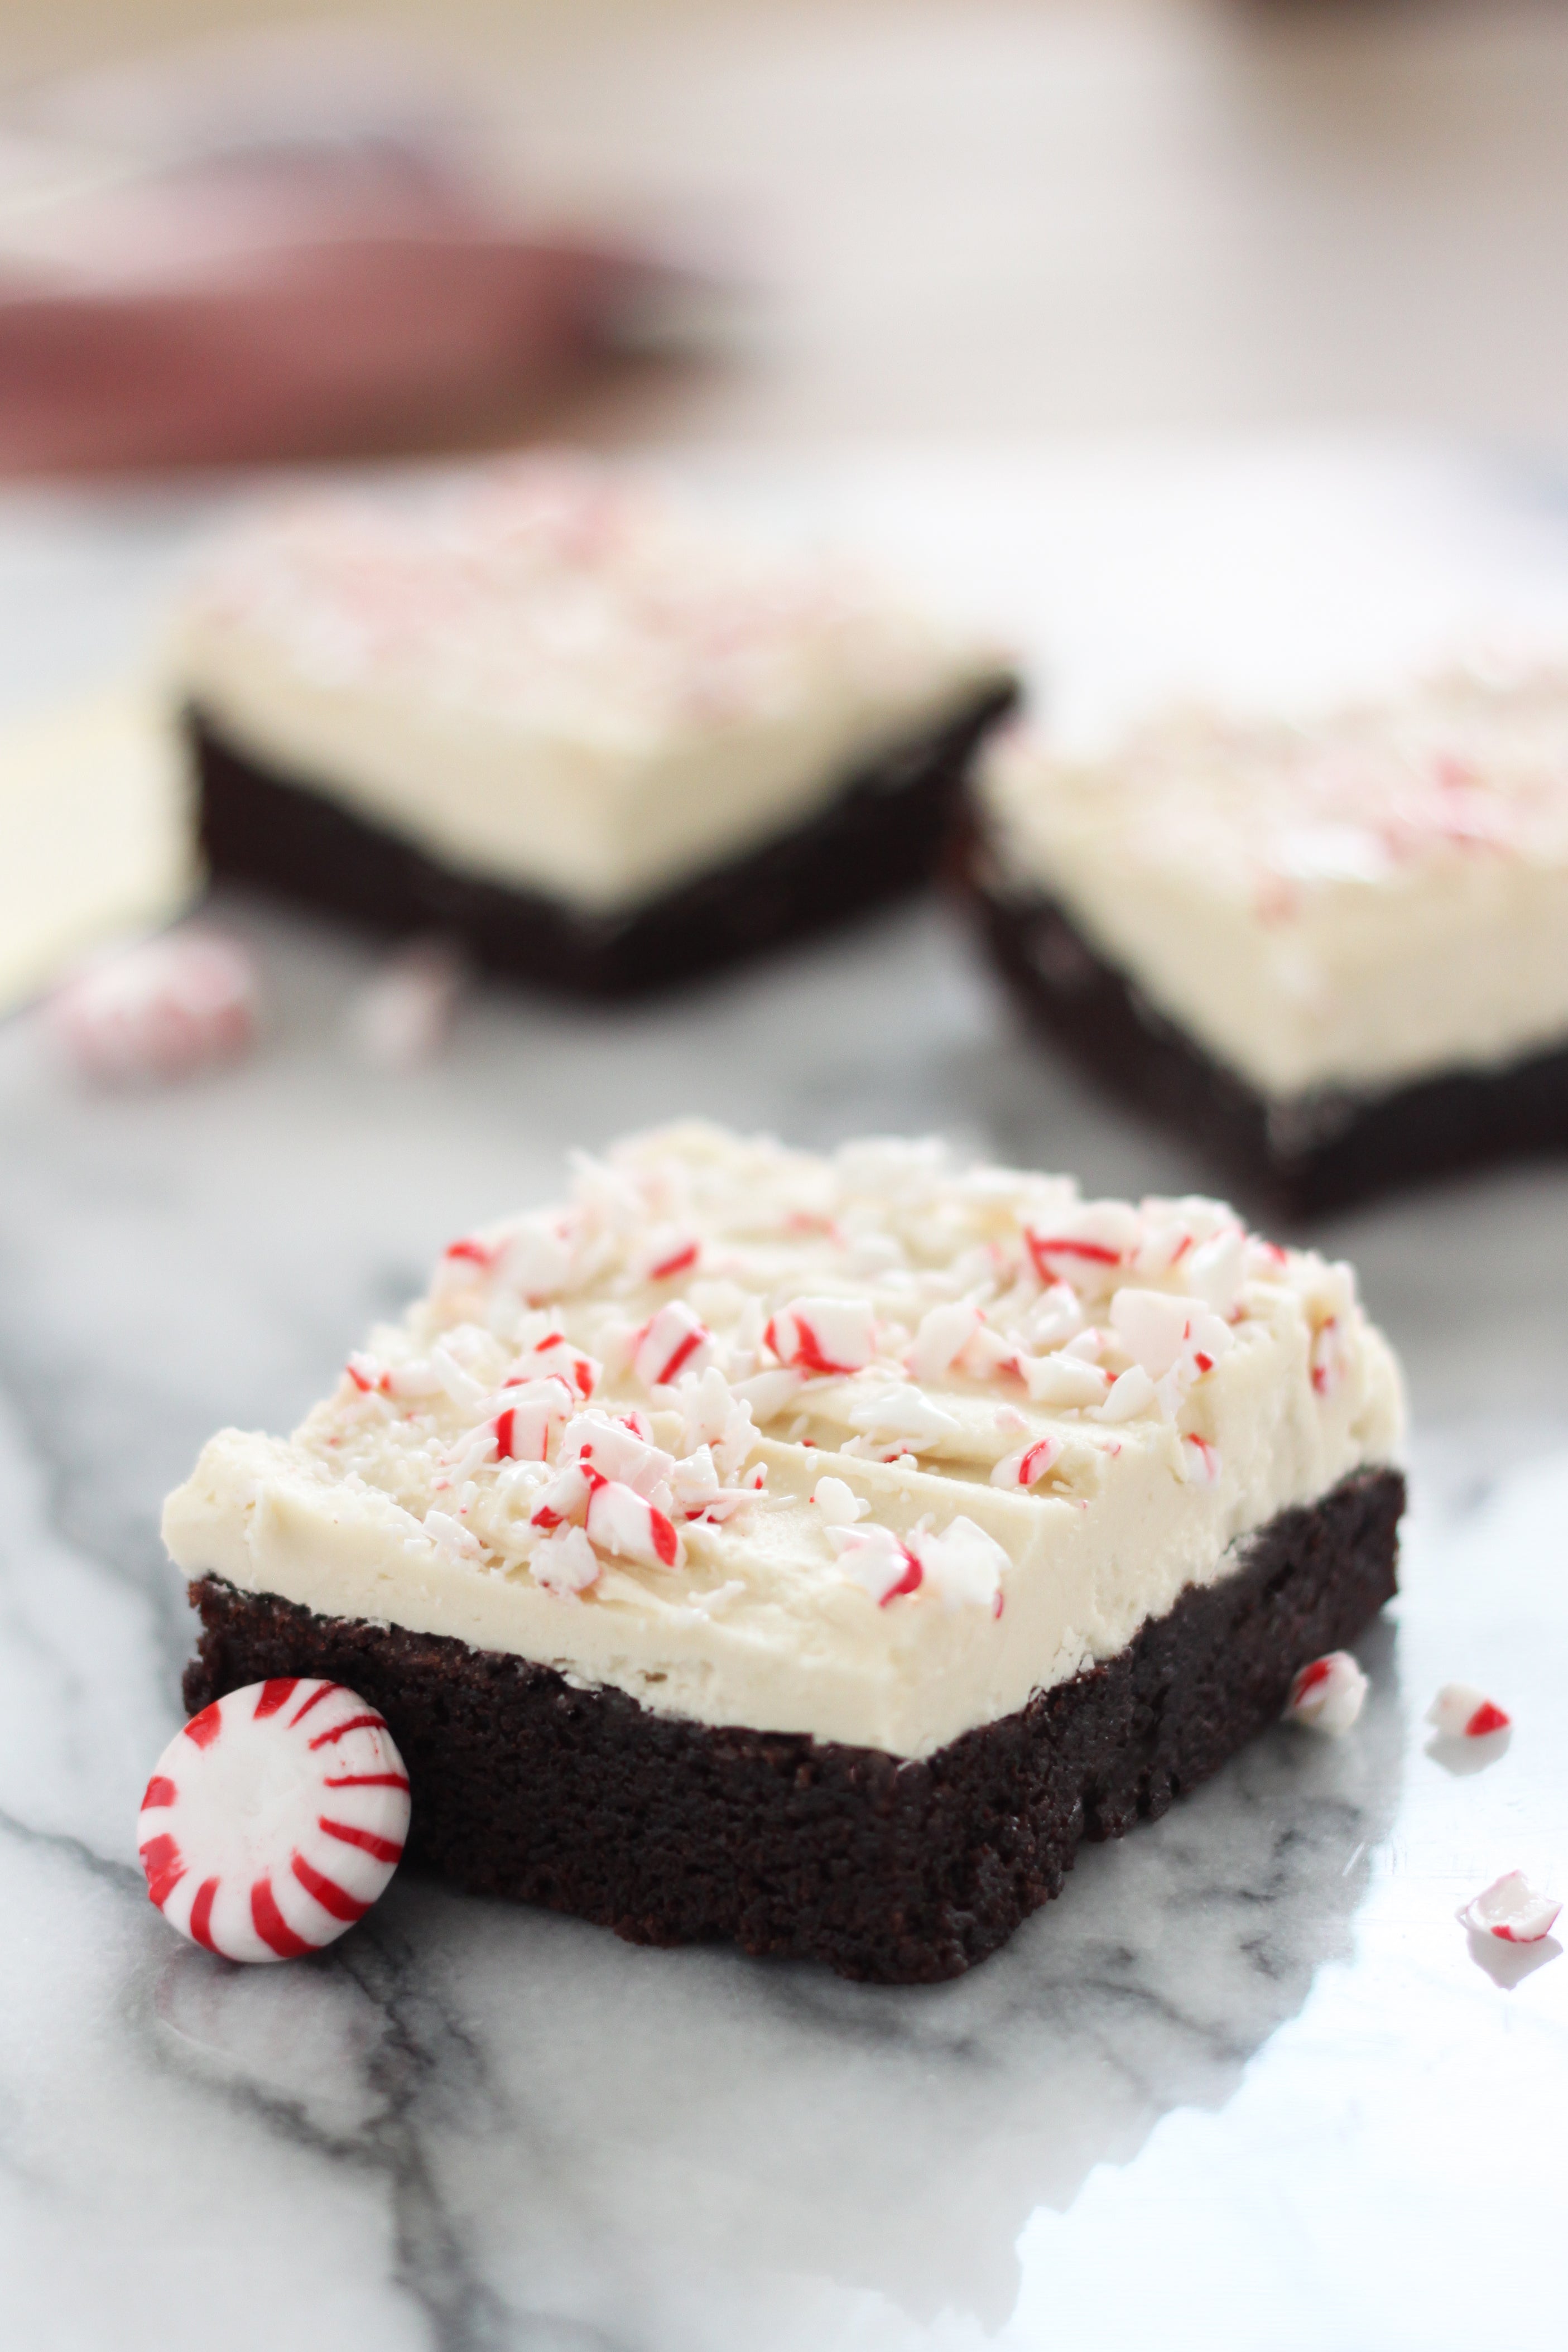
x=1511 y=1910
x=160 y=1010
x=1461 y=1712
x=1329 y=1695
x=403 y=1015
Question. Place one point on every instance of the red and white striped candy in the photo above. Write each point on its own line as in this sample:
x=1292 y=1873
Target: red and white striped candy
x=1029 y=1465
x=873 y=1557
x=1327 y=1695
x=673 y=1341
x=274 y=1820
x=1459 y=1712
x=160 y=1010
x=1511 y=1910
x=620 y=1521
x=824 y=1335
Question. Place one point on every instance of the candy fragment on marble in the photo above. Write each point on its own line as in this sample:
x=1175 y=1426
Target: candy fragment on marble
x=274 y=1820
x=1512 y=1910
x=1328 y=1694
x=404 y=1013
x=162 y=1009
x=1460 y=1711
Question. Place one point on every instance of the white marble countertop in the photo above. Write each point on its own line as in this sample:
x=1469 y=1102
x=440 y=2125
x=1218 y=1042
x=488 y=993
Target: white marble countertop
x=1246 y=2085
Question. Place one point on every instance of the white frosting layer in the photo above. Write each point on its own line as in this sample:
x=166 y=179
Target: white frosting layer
x=543 y=673
x=1354 y=904
x=880 y=1445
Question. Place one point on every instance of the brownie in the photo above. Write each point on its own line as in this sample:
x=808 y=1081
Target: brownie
x=889 y=1869
x=1298 y=1155
x=881 y=836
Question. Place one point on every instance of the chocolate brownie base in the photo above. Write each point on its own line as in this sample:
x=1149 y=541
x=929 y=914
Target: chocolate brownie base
x=1299 y=1154
x=882 y=836
x=902 y=1873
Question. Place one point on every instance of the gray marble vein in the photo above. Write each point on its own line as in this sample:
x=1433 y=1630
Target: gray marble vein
x=1246 y=2084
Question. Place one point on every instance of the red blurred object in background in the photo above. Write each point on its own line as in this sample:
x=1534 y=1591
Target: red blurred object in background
x=278 y=248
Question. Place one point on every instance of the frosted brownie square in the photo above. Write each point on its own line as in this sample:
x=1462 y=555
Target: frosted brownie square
x=812 y=1551
x=604 y=739
x=1335 y=954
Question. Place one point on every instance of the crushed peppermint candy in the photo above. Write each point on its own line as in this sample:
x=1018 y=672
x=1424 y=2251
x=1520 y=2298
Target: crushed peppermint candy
x=1278 y=814
x=451 y=1537
x=615 y=1382
x=1064 y=1384
x=902 y=1411
x=565 y=1564
x=824 y=1335
x=874 y=1557
x=1511 y=1910
x=673 y=1341
x=1088 y=1246
x=404 y=1013
x=557 y=596
x=838 y=1503
x=1130 y=1393
x=163 y=1009
x=944 y=1336
x=1028 y=1465
x=1459 y=1712
x=1199 y=1461
x=962 y=1564
x=1329 y=1695
x=624 y=1523
x=667 y=1256
x=530 y=1420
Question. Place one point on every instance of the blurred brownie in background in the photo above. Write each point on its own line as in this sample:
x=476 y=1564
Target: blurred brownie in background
x=1336 y=954
x=541 y=705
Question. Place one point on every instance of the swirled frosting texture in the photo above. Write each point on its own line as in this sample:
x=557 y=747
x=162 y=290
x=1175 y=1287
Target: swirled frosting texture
x=1358 y=903
x=869 y=1446
x=548 y=673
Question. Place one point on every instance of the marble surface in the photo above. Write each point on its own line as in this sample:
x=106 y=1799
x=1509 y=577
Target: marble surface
x=1246 y=2085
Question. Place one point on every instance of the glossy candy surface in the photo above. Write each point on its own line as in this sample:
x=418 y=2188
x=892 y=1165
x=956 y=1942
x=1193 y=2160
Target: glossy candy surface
x=275 y=1820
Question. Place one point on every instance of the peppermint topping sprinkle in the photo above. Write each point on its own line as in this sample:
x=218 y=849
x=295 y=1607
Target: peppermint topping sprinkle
x=1511 y=1910
x=1461 y=1712
x=723 y=1362
x=1329 y=1695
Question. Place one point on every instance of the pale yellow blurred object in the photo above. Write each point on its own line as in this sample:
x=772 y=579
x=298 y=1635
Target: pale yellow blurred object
x=96 y=836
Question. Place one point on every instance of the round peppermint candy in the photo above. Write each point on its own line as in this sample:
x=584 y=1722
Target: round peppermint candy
x=274 y=1820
